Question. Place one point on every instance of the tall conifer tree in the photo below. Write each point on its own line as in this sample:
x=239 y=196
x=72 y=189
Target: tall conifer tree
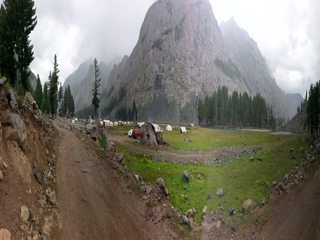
x=17 y=21
x=95 y=90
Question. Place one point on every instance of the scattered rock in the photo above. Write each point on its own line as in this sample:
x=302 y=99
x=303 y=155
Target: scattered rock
x=38 y=173
x=119 y=158
x=110 y=147
x=166 y=191
x=262 y=202
x=160 y=183
x=204 y=210
x=186 y=197
x=148 y=189
x=268 y=185
x=191 y=223
x=185 y=220
x=5 y=166
x=138 y=178
x=291 y=151
x=51 y=197
x=220 y=192
x=12 y=99
x=185 y=176
x=199 y=176
x=5 y=234
x=1 y=178
x=248 y=206
x=191 y=213
x=24 y=213
x=281 y=187
x=231 y=211
x=285 y=179
x=251 y=158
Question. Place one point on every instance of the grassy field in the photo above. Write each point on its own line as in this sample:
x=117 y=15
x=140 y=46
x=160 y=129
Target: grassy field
x=240 y=178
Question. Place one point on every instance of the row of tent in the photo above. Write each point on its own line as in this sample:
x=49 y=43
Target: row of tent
x=182 y=129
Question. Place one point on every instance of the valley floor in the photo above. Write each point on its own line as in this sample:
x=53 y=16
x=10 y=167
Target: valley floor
x=95 y=202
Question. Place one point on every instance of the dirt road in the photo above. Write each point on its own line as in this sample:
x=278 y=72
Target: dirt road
x=297 y=214
x=94 y=201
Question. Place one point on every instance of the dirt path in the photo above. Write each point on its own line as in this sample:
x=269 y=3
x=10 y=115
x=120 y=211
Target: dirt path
x=297 y=214
x=165 y=153
x=94 y=201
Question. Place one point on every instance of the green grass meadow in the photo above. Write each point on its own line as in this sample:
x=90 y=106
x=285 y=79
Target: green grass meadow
x=240 y=178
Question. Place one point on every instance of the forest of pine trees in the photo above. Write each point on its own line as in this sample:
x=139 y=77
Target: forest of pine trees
x=235 y=110
x=17 y=21
x=50 y=98
x=313 y=109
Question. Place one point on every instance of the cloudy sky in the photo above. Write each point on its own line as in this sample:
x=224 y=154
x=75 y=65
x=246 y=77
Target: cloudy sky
x=287 y=33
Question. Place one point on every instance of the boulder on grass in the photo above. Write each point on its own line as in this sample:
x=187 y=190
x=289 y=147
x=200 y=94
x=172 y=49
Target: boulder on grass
x=248 y=206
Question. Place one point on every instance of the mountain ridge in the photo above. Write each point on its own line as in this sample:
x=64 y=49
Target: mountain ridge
x=182 y=55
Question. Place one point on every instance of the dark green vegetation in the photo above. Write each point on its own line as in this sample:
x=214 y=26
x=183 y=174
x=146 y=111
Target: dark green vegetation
x=228 y=68
x=239 y=177
x=96 y=86
x=17 y=21
x=235 y=110
x=53 y=91
x=313 y=109
x=67 y=103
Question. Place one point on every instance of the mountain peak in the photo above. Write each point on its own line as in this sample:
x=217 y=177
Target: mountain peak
x=173 y=62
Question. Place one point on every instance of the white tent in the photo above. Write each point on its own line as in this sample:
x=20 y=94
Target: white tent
x=183 y=130
x=156 y=127
x=168 y=128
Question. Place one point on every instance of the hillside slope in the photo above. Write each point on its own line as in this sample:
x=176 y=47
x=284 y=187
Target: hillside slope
x=27 y=168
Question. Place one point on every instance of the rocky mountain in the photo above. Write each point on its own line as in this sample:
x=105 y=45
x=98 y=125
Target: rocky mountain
x=181 y=55
x=81 y=81
x=245 y=54
x=293 y=100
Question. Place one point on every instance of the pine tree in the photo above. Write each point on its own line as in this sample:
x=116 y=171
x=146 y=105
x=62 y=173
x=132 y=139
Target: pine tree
x=134 y=111
x=45 y=102
x=60 y=97
x=18 y=19
x=38 y=92
x=53 y=92
x=96 y=85
x=67 y=105
x=7 y=59
x=313 y=110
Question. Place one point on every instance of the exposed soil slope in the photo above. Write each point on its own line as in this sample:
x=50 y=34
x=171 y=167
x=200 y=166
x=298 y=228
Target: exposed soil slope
x=296 y=215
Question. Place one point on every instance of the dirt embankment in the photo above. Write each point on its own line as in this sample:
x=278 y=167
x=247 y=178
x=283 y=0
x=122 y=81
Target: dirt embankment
x=27 y=168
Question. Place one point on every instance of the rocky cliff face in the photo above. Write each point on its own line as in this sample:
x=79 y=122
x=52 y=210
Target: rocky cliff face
x=245 y=54
x=179 y=56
